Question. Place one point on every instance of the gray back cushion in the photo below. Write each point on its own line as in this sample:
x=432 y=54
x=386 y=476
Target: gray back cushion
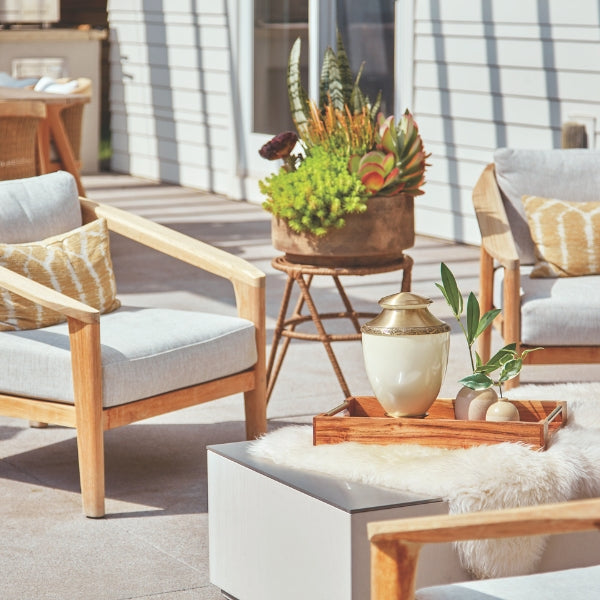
x=35 y=208
x=572 y=175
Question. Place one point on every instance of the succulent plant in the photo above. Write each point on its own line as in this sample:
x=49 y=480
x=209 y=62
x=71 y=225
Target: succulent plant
x=399 y=161
x=280 y=147
x=336 y=87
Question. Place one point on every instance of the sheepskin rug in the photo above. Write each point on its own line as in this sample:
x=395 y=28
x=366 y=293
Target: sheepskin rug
x=478 y=478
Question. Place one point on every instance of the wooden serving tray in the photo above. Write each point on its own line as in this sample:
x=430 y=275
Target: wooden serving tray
x=363 y=419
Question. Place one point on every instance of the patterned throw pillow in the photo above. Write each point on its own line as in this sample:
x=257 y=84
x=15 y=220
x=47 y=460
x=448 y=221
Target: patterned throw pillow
x=566 y=236
x=76 y=263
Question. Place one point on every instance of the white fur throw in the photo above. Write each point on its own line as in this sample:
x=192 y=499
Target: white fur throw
x=478 y=478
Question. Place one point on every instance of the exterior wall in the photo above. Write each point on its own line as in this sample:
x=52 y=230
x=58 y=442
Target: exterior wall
x=171 y=86
x=479 y=77
x=484 y=79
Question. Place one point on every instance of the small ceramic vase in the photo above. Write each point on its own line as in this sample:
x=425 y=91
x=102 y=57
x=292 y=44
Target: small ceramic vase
x=472 y=405
x=405 y=350
x=503 y=410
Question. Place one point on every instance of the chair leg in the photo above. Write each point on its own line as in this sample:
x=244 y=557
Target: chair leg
x=255 y=406
x=486 y=292
x=90 y=450
x=87 y=386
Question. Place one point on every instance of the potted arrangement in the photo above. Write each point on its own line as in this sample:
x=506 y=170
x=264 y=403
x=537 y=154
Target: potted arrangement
x=477 y=400
x=344 y=194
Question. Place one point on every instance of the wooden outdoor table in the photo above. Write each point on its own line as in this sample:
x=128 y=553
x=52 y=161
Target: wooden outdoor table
x=52 y=128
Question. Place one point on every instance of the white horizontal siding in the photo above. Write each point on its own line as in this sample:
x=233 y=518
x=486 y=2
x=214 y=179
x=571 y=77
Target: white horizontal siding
x=491 y=74
x=171 y=92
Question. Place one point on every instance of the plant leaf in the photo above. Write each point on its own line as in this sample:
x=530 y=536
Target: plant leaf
x=472 y=318
x=526 y=352
x=487 y=320
x=477 y=381
x=296 y=93
x=511 y=369
x=451 y=291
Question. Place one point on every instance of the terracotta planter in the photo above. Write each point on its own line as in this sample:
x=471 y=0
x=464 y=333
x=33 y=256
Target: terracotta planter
x=376 y=237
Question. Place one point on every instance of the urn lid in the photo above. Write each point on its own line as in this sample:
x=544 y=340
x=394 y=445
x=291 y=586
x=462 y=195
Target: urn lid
x=405 y=313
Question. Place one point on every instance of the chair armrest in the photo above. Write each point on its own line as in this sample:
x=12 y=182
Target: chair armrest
x=47 y=297
x=175 y=244
x=496 y=235
x=395 y=544
x=563 y=517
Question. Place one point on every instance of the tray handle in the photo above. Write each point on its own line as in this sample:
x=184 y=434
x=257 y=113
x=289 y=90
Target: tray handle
x=561 y=408
x=334 y=411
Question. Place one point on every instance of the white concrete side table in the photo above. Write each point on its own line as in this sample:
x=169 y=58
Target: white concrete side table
x=277 y=532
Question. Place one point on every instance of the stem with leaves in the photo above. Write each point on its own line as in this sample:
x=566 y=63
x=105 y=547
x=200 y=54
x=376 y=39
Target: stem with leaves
x=476 y=324
x=506 y=360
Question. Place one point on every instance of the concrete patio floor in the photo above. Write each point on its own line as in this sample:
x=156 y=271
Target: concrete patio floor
x=153 y=544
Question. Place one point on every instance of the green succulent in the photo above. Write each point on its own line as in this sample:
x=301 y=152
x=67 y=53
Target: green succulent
x=317 y=196
x=399 y=161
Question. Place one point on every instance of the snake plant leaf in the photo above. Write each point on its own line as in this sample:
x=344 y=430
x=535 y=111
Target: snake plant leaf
x=297 y=95
x=344 y=69
x=330 y=88
x=473 y=312
x=477 y=381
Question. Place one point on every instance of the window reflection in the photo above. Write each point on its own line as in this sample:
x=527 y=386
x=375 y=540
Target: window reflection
x=277 y=24
x=367 y=30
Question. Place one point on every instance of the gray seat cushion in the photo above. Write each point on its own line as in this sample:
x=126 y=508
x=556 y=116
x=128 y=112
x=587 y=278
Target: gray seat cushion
x=145 y=351
x=35 y=208
x=547 y=309
x=572 y=175
x=570 y=584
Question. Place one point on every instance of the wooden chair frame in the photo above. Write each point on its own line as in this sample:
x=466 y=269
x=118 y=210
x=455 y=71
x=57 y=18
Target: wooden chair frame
x=395 y=545
x=498 y=248
x=87 y=415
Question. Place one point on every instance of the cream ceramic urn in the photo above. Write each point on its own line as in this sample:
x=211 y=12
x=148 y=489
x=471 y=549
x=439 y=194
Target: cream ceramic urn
x=405 y=350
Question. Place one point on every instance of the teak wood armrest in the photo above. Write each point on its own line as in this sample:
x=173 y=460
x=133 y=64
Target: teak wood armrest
x=47 y=297
x=175 y=244
x=496 y=236
x=395 y=545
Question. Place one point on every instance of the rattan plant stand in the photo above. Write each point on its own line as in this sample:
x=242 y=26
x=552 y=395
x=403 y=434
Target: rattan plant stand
x=302 y=275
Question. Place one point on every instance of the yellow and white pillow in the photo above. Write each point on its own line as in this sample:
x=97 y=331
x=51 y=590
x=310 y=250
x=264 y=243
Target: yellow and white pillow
x=566 y=236
x=76 y=263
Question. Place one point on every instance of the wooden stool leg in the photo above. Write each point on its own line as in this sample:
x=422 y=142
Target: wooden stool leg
x=272 y=374
x=352 y=315
x=323 y=336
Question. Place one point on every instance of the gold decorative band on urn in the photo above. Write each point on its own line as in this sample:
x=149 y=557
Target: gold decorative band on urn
x=405 y=330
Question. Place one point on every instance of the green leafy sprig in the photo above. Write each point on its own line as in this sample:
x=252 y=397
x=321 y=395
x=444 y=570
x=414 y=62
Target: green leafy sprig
x=475 y=323
x=507 y=360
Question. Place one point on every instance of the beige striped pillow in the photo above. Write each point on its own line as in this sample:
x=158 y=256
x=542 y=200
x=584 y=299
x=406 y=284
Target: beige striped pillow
x=76 y=263
x=566 y=236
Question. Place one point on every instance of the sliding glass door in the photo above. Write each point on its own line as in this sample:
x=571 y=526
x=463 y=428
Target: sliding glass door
x=268 y=30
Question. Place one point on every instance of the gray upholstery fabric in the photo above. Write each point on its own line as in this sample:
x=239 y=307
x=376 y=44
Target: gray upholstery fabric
x=35 y=208
x=556 y=312
x=145 y=351
x=572 y=175
x=571 y=584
